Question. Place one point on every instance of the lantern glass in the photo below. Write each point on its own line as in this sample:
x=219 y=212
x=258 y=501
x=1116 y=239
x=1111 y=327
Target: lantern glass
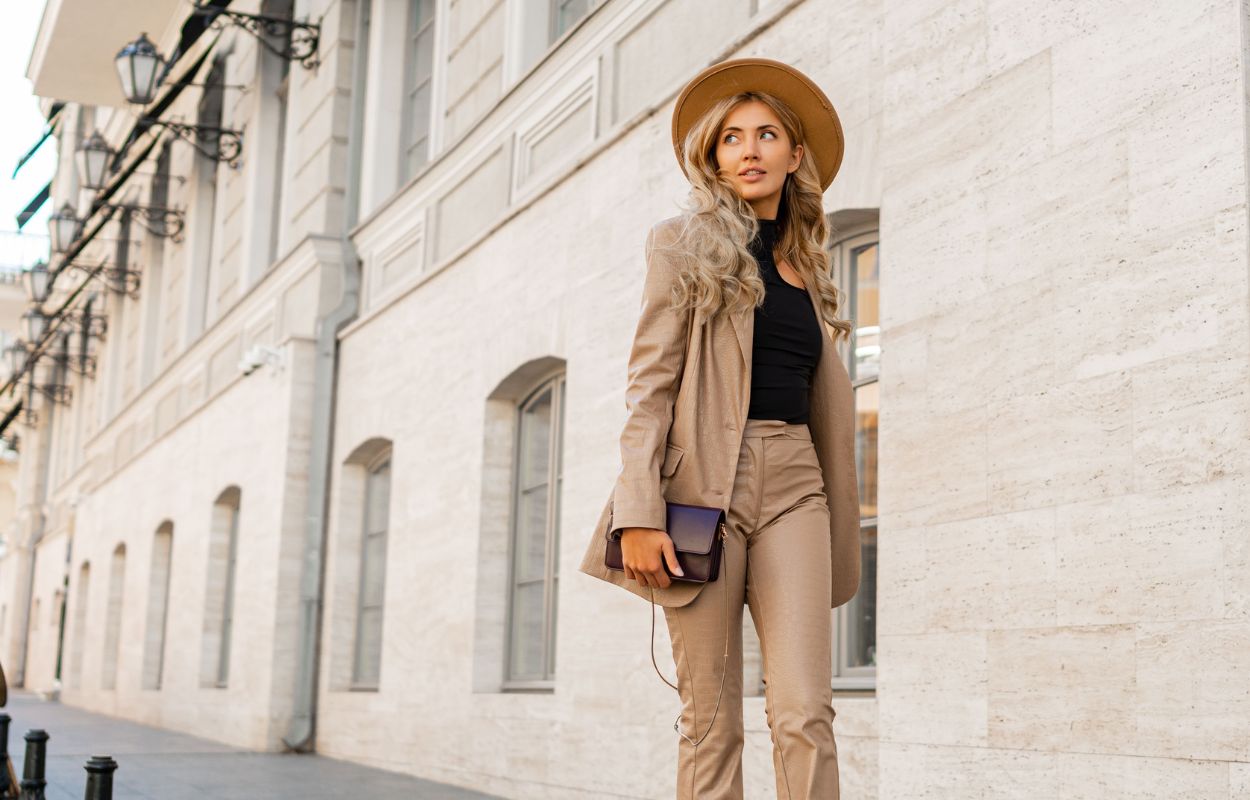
x=17 y=357
x=35 y=280
x=92 y=160
x=139 y=66
x=63 y=228
x=36 y=323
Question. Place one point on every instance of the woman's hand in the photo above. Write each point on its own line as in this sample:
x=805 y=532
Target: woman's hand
x=643 y=553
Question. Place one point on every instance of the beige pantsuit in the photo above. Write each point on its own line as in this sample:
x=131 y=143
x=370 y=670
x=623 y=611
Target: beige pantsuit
x=793 y=552
x=776 y=561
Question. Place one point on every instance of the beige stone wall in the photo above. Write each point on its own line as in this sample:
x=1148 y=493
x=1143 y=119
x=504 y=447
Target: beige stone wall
x=1064 y=411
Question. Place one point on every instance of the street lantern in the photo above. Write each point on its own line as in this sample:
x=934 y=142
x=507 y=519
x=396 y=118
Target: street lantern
x=93 y=159
x=140 y=68
x=36 y=324
x=17 y=357
x=35 y=280
x=63 y=226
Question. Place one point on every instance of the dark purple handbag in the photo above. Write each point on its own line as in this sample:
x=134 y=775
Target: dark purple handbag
x=697 y=533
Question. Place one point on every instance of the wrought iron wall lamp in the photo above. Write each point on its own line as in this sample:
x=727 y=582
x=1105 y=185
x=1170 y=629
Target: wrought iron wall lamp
x=141 y=69
x=35 y=281
x=34 y=323
x=64 y=226
x=94 y=160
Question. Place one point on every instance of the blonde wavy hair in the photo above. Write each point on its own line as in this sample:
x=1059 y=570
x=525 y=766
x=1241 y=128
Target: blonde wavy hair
x=717 y=271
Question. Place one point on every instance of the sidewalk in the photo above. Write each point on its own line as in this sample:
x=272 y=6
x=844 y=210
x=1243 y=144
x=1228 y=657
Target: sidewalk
x=156 y=764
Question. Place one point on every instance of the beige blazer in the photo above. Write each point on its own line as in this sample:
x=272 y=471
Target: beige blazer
x=688 y=391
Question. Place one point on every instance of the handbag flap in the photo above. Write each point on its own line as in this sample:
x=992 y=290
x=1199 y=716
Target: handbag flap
x=693 y=529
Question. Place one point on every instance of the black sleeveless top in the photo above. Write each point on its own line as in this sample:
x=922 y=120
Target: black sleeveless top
x=787 y=339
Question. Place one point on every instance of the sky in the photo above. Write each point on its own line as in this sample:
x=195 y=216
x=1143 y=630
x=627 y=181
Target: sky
x=24 y=124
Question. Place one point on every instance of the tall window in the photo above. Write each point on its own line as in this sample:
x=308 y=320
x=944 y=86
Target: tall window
x=281 y=9
x=219 y=596
x=856 y=270
x=118 y=316
x=82 y=592
x=153 y=279
x=418 y=87
x=536 y=537
x=202 y=254
x=360 y=83
x=158 y=606
x=367 y=658
x=113 y=619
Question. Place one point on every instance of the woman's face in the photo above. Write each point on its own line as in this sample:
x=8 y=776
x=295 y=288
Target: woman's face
x=753 y=150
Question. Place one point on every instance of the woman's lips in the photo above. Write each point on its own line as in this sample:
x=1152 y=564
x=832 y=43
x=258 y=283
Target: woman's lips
x=752 y=177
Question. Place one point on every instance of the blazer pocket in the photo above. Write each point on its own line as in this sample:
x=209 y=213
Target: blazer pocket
x=672 y=457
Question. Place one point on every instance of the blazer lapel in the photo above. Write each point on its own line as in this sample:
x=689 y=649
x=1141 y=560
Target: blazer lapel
x=743 y=322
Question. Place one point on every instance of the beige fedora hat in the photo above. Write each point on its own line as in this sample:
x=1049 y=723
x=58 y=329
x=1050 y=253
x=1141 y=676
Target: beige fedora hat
x=821 y=127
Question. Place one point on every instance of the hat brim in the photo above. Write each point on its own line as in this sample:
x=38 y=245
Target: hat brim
x=822 y=130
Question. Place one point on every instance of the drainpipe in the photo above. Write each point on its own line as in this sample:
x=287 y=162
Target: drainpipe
x=302 y=730
x=312 y=573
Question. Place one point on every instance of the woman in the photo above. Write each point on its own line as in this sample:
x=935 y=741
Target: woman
x=738 y=400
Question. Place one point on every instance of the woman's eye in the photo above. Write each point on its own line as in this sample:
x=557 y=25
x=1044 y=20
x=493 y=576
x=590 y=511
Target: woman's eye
x=735 y=136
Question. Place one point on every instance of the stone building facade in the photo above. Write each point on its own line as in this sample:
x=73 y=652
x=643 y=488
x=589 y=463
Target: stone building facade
x=382 y=376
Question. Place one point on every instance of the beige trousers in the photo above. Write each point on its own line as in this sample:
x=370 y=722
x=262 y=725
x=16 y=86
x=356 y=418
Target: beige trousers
x=776 y=560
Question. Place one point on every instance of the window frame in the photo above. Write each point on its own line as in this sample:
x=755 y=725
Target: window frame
x=413 y=31
x=557 y=383
x=842 y=251
x=227 y=607
x=371 y=469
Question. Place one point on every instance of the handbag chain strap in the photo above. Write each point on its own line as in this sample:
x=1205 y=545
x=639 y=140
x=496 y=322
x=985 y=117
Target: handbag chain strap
x=724 y=666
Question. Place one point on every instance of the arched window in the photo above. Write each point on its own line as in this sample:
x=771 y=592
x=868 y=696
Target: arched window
x=535 y=540
x=158 y=605
x=203 y=224
x=113 y=619
x=219 y=594
x=856 y=270
x=374 y=523
x=81 y=595
x=153 y=298
x=514 y=632
x=356 y=571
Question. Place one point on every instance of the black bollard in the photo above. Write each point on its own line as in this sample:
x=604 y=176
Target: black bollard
x=100 y=778
x=6 y=788
x=33 y=781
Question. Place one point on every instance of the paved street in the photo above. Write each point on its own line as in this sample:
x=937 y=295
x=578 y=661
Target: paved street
x=155 y=764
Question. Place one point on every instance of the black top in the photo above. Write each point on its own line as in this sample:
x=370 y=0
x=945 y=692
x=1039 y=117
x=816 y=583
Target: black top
x=787 y=339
